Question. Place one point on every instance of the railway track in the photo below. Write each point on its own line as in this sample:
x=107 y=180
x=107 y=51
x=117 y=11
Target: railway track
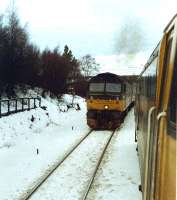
x=32 y=190
x=27 y=195
x=97 y=167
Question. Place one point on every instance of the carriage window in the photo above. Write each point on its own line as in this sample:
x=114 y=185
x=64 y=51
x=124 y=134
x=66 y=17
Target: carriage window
x=173 y=95
x=113 y=87
x=96 y=87
x=173 y=103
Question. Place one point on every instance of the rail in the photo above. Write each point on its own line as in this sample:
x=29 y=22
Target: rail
x=10 y=106
x=26 y=195
x=97 y=167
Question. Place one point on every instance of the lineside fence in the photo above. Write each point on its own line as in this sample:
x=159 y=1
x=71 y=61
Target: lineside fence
x=10 y=106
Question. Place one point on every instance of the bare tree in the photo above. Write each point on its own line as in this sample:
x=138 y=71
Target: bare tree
x=88 y=65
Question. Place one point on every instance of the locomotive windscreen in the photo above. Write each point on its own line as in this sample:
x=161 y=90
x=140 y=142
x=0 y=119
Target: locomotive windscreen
x=96 y=87
x=113 y=87
x=109 y=88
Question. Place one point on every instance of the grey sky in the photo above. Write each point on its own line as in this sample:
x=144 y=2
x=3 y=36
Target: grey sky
x=91 y=26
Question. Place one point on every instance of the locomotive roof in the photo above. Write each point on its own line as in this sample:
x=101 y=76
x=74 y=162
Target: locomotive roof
x=107 y=76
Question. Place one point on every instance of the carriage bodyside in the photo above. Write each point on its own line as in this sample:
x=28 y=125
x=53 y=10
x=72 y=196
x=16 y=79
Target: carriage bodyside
x=155 y=112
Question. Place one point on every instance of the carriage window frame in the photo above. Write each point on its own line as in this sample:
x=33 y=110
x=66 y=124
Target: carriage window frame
x=172 y=110
x=173 y=102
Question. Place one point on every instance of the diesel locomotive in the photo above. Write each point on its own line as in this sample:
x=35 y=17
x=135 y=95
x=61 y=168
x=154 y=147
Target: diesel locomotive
x=109 y=98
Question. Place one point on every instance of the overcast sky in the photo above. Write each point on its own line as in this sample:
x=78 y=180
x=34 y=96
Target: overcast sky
x=92 y=26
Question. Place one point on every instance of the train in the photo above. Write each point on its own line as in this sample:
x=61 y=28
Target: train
x=155 y=118
x=110 y=97
x=108 y=100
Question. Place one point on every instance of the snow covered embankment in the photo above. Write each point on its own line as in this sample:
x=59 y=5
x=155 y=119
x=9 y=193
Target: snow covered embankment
x=49 y=132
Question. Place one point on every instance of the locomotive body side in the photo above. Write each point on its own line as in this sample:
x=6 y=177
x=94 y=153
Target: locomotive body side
x=155 y=112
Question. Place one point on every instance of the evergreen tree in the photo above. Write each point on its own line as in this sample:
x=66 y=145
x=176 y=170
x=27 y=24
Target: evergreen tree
x=74 y=70
x=3 y=49
x=14 y=51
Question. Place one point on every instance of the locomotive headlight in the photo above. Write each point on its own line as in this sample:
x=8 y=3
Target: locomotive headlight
x=106 y=107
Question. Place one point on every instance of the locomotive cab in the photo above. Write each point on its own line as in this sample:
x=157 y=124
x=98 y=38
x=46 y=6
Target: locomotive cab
x=106 y=102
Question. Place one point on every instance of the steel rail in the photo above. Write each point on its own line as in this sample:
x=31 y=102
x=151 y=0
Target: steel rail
x=31 y=191
x=97 y=167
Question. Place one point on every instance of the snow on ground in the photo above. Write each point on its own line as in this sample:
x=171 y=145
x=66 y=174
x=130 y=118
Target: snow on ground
x=53 y=132
x=118 y=177
x=70 y=180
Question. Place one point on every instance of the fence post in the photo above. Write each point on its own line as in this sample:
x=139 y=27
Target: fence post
x=8 y=104
x=29 y=104
x=16 y=105
x=22 y=104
